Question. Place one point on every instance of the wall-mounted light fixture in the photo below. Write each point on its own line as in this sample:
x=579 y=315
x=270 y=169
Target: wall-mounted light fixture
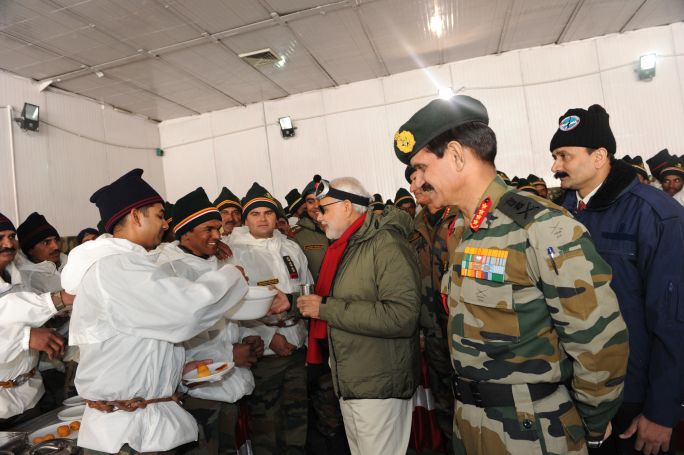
x=647 y=67
x=286 y=127
x=30 y=117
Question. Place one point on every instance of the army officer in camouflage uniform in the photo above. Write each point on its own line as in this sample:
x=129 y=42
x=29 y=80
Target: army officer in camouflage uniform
x=538 y=343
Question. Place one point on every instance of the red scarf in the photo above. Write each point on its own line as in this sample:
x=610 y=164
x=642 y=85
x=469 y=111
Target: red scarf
x=318 y=329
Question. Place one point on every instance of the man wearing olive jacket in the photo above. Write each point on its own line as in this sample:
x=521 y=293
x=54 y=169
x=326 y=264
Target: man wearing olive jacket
x=367 y=292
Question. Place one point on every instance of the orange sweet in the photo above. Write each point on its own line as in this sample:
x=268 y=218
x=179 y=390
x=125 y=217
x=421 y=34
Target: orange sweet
x=75 y=425
x=48 y=437
x=203 y=371
x=63 y=431
x=37 y=440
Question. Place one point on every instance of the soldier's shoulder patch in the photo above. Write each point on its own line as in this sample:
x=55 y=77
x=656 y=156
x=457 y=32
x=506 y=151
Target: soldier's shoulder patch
x=521 y=207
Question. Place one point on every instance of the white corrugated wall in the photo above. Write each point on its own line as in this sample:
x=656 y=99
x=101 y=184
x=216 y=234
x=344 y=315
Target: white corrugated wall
x=58 y=168
x=348 y=130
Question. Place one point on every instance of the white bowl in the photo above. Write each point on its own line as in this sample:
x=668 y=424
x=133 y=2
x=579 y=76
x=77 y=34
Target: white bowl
x=71 y=413
x=254 y=304
x=74 y=401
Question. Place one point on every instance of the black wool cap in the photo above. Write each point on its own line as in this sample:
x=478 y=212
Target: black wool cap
x=256 y=197
x=658 y=162
x=403 y=196
x=192 y=210
x=33 y=230
x=408 y=173
x=389 y=202
x=168 y=212
x=126 y=193
x=675 y=166
x=226 y=198
x=637 y=163
x=84 y=232
x=6 y=224
x=376 y=202
x=294 y=201
x=584 y=128
x=434 y=119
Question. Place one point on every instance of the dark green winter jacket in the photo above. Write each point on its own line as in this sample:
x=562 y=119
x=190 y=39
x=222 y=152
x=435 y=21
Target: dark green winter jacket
x=372 y=311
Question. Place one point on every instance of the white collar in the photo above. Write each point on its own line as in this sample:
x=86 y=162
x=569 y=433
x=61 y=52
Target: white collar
x=588 y=197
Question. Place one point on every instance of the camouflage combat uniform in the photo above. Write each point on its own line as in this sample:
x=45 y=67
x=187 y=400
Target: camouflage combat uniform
x=283 y=387
x=430 y=243
x=531 y=308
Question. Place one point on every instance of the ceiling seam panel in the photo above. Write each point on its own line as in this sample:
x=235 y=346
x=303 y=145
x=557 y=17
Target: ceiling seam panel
x=359 y=15
x=504 y=27
x=90 y=21
x=214 y=37
x=571 y=19
x=636 y=11
x=206 y=34
x=280 y=20
x=198 y=79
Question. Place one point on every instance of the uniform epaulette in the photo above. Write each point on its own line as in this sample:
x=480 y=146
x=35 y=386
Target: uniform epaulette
x=296 y=228
x=522 y=207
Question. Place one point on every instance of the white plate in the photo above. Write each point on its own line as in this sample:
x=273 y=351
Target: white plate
x=71 y=413
x=74 y=401
x=191 y=376
x=51 y=429
x=254 y=305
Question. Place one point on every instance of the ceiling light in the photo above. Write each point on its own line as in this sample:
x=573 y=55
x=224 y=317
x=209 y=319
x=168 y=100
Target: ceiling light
x=436 y=24
x=647 y=67
x=286 y=127
x=445 y=93
x=281 y=62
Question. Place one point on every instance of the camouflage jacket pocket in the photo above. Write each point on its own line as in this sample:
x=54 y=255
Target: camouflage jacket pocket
x=488 y=312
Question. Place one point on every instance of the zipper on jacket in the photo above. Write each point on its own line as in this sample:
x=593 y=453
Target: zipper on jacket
x=332 y=345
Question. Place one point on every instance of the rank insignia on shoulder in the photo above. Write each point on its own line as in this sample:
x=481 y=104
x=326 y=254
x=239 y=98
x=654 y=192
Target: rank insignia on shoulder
x=520 y=208
x=484 y=263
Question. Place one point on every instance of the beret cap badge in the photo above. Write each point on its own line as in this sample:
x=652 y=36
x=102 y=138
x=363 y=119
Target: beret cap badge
x=405 y=141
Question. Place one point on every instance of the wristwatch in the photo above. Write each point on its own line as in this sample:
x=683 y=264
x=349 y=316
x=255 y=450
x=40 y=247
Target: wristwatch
x=594 y=442
x=57 y=300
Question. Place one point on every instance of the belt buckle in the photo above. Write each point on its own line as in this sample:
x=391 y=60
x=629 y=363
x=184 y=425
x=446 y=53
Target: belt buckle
x=475 y=392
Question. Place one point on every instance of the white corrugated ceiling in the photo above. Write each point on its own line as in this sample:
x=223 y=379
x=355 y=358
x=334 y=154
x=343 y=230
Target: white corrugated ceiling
x=172 y=58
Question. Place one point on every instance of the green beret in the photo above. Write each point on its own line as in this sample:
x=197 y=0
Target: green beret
x=434 y=119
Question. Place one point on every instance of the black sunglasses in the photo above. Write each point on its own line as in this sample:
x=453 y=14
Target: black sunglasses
x=321 y=207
